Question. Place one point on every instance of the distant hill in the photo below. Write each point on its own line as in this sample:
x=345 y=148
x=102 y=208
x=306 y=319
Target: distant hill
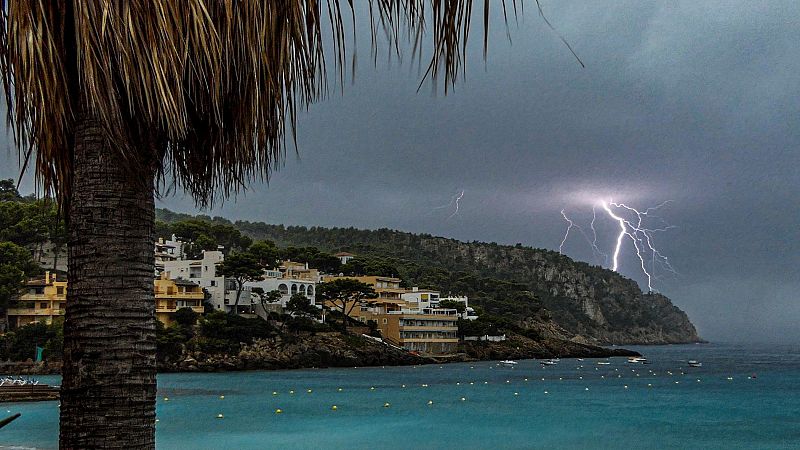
x=528 y=286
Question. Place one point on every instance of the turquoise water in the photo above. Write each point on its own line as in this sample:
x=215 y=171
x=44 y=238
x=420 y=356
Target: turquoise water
x=500 y=408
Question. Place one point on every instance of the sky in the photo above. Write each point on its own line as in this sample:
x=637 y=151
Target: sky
x=690 y=102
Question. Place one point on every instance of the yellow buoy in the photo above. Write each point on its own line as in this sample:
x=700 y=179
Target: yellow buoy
x=219 y=416
x=334 y=407
x=222 y=397
x=278 y=411
x=166 y=399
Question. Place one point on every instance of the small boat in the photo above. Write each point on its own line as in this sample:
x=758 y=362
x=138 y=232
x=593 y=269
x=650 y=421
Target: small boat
x=637 y=360
x=508 y=362
x=694 y=363
x=549 y=362
x=603 y=363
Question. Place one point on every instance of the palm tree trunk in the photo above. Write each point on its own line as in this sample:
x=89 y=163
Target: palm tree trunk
x=109 y=374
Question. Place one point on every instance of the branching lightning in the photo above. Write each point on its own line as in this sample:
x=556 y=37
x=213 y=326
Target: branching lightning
x=634 y=226
x=592 y=242
x=454 y=203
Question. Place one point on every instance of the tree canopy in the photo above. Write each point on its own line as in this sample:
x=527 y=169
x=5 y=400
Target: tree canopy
x=345 y=294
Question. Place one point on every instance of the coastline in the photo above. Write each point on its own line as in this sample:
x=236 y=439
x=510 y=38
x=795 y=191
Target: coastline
x=334 y=349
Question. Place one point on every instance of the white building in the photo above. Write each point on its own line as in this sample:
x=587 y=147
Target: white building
x=422 y=298
x=273 y=281
x=167 y=250
x=204 y=272
x=344 y=257
x=469 y=313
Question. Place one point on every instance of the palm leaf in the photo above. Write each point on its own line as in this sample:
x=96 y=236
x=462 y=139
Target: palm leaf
x=201 y=91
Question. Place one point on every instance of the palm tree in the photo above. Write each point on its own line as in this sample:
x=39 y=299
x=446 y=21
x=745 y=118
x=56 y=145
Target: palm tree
x=113 y=102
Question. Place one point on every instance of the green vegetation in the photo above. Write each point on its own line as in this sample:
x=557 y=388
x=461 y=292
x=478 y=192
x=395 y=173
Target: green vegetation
x=242 y=268
x=518 y=283
x=20 y=344
x=345 y=294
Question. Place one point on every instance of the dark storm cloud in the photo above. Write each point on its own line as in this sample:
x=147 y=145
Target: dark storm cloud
x=695 y=102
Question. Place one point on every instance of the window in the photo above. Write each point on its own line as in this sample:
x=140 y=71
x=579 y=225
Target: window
x=302 y=289
x=59 y=290
x=294 y=289
x=283 y=288
x=310 y=291
x=213 y=282
x=43 y=305
x=385 y=320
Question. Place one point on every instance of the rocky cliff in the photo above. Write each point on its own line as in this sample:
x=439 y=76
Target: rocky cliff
x=526 y=285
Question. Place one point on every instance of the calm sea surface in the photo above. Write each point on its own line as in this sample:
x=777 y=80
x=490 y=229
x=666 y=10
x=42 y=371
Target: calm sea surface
x=742 y=397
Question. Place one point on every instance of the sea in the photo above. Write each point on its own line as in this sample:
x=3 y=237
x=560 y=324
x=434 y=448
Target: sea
x=743 y=397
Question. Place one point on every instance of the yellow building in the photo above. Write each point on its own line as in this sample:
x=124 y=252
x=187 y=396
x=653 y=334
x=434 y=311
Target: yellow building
x=403 y=322
x=429 y=331
x=388 y=290
x=46 y=299
x=172 y=295
x=43 y=300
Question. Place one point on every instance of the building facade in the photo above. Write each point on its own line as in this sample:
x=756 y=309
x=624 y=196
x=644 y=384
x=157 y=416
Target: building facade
x=172 y=295
x=428 y=331
x=222 y=292
x=42 y=301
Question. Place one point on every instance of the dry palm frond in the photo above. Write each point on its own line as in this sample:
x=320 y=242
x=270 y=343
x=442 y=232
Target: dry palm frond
x=205 y=89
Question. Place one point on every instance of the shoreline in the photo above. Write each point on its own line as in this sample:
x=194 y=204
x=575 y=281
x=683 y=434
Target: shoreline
x=337 y=350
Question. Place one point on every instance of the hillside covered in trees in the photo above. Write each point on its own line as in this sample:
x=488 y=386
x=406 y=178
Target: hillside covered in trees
x=533 y=288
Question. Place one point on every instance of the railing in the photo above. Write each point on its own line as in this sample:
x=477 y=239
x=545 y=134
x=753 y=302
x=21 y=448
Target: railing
x=39 y=297
x=35 y=312
x=166 y=309
x=161 y=295
x=428 y=327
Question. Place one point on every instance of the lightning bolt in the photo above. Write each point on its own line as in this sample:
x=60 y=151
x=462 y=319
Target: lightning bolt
x=633 y=227
x=456 y=201
x=566 y=234
x=592 y=242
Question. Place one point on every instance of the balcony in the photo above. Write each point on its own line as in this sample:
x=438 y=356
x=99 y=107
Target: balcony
x=173 y=308
x=428 y=340
x=35 y=312
x=160 y=295
x=428 y=328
